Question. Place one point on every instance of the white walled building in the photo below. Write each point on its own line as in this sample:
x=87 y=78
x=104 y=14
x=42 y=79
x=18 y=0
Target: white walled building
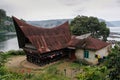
x=90 y=49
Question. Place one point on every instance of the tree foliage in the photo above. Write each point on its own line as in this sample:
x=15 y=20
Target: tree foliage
x=3 y=59
x=109 y=70
x=83 y=24
x=5 y=74
x=2 y=13
x=6 y=23
x=92 y=73
x=113 y=63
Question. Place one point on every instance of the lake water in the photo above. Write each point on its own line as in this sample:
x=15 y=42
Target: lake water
x=116 y=36
x=9 y=41
x=115 y=29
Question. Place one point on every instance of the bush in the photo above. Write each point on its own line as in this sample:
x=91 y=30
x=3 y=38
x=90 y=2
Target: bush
x=113 y=64
x=7 y=75
x=28 y=75
x=52 y=70
x=12 y=76
x=3 y=59
x=92 y=73
x=47 y=76
x=5 y=55
x=15 y=52
x=3 y=71
x=51 y=73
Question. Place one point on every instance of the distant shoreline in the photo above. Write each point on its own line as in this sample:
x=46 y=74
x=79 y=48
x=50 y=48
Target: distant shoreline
x=7 y=33
x=113 y=33
x=10 y=33
x=3 y=32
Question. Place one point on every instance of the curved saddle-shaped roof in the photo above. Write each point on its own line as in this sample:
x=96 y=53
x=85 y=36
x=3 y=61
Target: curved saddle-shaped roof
x=44 y=39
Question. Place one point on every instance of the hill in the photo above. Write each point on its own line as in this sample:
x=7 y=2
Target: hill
x=6 y=24
x=109 y=24
x=114 y=23
x=48 y=23
x=53 y=23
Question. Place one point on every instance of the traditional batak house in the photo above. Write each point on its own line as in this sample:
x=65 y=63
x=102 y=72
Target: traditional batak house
x=42 y=45
x=45 y=45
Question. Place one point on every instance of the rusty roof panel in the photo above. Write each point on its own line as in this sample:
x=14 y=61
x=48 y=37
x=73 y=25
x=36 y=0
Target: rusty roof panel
x=46 y=39
x=88 y=43
x=94 y=44
x=50 y=39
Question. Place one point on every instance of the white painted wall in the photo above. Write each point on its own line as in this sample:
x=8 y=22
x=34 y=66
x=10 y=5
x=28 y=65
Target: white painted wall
x=102 y=52
x=80 y=55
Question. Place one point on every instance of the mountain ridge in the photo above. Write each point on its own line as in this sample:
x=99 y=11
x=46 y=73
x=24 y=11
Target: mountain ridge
x=56 y=22
x=115 y=23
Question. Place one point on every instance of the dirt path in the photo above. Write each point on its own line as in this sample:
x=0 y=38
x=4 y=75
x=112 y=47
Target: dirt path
x=19 y=64
x=14 y=62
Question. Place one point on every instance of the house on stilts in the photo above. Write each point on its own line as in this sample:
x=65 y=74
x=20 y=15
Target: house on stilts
x=46 y=45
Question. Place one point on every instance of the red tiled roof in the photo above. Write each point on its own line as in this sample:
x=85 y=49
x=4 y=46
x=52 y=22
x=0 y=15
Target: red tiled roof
x=45 y=39
x=89 y=43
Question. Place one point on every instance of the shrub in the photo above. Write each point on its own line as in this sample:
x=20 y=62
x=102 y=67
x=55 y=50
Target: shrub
x=3 y=71
x=92 y=73
x=3 y=59
x=15 y=52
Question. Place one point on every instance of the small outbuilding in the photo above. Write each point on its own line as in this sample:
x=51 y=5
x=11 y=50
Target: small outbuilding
x=90 y=49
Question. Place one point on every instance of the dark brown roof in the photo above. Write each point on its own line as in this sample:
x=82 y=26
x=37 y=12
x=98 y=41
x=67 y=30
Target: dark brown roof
x=88 y=43
x=44 y=39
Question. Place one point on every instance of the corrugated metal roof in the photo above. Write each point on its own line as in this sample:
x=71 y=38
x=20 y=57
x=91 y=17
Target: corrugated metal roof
x=94 y=44
x=45 y=39
x=50 y=39
x=88 y=43
x=74 y=41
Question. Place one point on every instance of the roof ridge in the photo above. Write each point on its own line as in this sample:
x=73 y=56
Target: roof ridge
x=14 y=18
x=40 y=37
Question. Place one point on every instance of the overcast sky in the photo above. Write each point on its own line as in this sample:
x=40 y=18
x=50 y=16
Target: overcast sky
x=59 y=9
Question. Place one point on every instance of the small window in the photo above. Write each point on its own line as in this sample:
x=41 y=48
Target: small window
x=86 y=54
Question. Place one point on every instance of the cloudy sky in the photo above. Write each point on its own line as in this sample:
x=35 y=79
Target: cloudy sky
x=59 y=9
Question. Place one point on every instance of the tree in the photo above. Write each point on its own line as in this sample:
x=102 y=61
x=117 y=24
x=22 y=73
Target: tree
x=3 y=59
x=113 y=64
x=2 y=13
x=92 y=73
x=83 y=24
x=6 y=23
